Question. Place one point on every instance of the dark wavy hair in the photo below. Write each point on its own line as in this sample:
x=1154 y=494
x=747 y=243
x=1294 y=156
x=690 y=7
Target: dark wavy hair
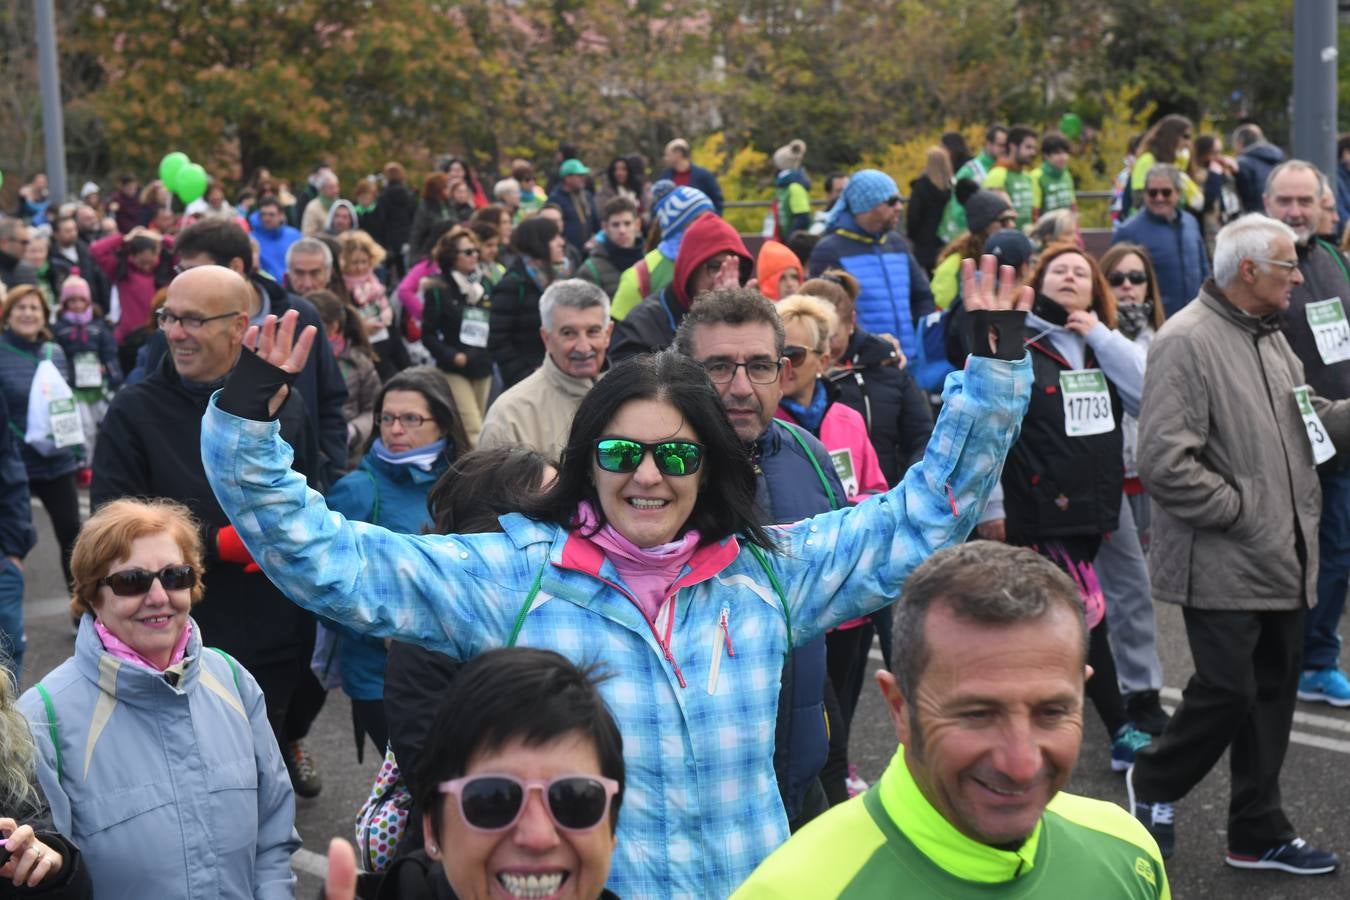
x=482 y=486
x=531 y=238
x=430 y=383
x=726 y=500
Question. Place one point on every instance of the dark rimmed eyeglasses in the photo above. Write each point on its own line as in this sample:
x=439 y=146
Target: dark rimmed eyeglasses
x=409 y=421
x=135 y=582
x=168 y=319
x=496 y=802
x=624 y=455
x=1136 y=276
x=759 y=371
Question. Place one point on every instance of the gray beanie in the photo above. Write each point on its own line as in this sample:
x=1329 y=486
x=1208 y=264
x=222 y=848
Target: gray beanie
x=982 y=208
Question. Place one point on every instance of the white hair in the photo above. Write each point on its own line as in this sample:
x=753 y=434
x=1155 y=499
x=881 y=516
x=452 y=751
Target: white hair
x=504 y=188
x=313 y=246
x=1250 y=237
x=573 y=293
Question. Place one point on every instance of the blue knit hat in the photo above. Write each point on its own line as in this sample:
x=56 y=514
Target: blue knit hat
x=675 y=212
x=866 y=188
x=661 y=189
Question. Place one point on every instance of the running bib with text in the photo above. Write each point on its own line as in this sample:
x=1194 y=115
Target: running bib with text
x=473 y=328
x=843 y=467
x=88 y=370
x=1087 y=403
x=1330 y=330
x=1322 y=448
x=65 y=423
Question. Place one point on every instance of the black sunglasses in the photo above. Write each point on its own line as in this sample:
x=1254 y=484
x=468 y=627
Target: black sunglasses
x=672 y=457
x=1135 y=276
x=1164 y=193
x=496 y=802
x=134 y=582
x=795 y=354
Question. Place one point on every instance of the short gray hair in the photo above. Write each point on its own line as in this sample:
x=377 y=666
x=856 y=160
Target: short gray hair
x=327 y=176
x=1249 y=237
x=312 y=246
x=572 y=293
x=984 y=582
x=9 y=226
x=1165 y=170
x=1297 y=165
x=506 y=186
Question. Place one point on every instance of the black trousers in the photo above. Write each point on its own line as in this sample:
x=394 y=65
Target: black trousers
x=62 y=503
x=294 y=696
x=1242 y=697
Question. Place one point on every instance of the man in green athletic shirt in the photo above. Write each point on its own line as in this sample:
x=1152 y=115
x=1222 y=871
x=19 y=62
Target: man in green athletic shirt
x=987 y=701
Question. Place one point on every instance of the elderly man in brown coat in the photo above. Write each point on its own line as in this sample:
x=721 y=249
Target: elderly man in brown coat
x=1230 y=437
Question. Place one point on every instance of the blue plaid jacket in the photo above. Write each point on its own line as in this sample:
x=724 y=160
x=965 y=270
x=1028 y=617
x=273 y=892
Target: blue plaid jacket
x=694 y=693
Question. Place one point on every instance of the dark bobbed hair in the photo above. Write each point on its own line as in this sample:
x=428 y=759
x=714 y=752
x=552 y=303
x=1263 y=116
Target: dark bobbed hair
x=531 y=238
x=482 y=486
x=517 y=694
x=431 y=384
x=726 y=500
x=1116 y=253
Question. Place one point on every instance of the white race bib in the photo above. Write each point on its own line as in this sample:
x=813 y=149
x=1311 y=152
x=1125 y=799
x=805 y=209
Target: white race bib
x=1087 y=403
x=65 y=423
x=1322 y=448
x=843 y=467
x=473 y=327
x=1330 y=330
x=88 y=370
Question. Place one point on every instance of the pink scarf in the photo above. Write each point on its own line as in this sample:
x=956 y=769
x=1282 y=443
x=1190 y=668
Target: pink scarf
x=648 y=573
x=118 y=648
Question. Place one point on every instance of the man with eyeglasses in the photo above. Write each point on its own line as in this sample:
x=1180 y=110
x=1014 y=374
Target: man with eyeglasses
x=861 y=239
x=1172 y=238
x=149 y=446
x=14 y=237
x=1230 y=437
x=738 y=338
x=1316 y=328
x=712 y=256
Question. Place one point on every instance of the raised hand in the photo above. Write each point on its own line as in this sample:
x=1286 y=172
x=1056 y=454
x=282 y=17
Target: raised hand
x=277 y=344
x=982 y=293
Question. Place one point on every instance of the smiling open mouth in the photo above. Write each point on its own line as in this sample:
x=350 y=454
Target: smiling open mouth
x=643 y=503
x=532 y=887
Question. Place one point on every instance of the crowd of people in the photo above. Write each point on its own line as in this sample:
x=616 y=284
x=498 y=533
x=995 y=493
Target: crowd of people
x=581 y=494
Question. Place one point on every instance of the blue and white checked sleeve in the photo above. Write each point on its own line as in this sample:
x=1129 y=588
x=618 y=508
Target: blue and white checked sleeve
x=455 y=594
x=846 y=563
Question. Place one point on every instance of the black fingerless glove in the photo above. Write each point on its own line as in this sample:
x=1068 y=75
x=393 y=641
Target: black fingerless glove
x=1006 y=325
x=250 y=387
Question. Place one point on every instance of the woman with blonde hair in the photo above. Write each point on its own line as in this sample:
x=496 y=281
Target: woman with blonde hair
x=153 y=750
x=928 y=197
x=40 y=861
x=358 y=257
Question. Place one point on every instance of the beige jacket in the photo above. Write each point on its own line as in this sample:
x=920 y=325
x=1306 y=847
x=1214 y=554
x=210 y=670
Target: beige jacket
x=537 y=412
x=1228 y=462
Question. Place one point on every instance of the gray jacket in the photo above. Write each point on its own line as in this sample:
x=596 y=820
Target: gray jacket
x=1226 y=457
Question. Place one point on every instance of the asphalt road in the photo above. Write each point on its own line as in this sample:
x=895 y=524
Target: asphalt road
x=1315 y=782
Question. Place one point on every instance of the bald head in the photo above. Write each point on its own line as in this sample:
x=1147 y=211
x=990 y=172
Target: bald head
x=207 y=308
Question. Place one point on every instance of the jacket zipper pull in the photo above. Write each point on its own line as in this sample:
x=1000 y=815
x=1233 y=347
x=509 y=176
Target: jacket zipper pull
x=679 y=676
x=951 y=498
x=726 y=629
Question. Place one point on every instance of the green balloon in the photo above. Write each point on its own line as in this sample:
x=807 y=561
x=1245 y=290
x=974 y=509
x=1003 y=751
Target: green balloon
x=190 y=182
x=169 y=166
x=1071 y=125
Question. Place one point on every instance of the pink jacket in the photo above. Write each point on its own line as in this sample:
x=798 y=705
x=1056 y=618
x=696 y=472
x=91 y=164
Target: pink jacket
x=135 y=292
x=844 y=431
x=407 y=288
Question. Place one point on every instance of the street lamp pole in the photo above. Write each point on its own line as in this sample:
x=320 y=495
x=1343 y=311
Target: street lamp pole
x=53 y=121
x=1315 y=54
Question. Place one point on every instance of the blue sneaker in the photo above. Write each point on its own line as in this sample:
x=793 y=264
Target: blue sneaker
x=1295 y=857
x=1324 y=686
x=1157 y=818
x=1125 y=744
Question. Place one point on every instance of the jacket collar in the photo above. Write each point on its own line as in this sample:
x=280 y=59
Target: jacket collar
x=938 y=840
x=567 y=384
x=127 y=682
x=404 y=474
x=1259 y=326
